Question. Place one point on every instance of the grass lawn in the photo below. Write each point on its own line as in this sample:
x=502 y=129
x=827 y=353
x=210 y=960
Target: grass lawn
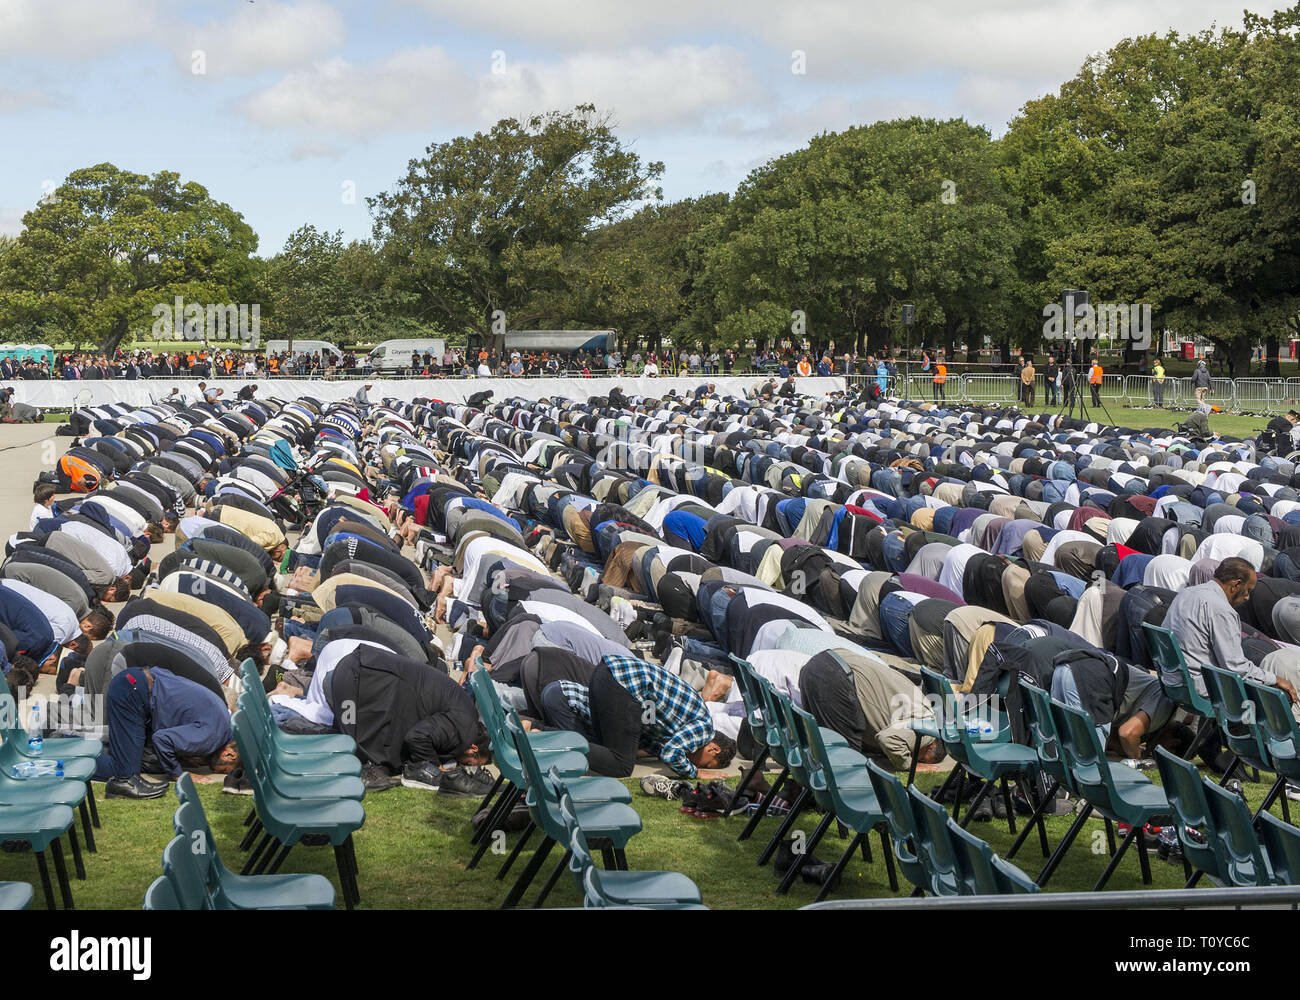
x=1139 y=419
x=413 y=850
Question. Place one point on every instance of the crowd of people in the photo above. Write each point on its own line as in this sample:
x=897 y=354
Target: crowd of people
x=603 y=559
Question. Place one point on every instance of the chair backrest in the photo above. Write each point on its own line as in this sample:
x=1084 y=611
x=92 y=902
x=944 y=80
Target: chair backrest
x=161 y=895
x=1281 y=841
x=938 y=691
x=542 y=801
x=1237 y=714
x=1277 y=726
x=1167 y=654
x=1186 y=794
x=891 y=795
x=1084 y=755
x=189 y=821
x=185 y=790
x=934 y=848
x=581 y=862
x=1235 y=840
x=779 y=736
x=744 y=674
x=250 y=751
x=492 y=713
x=1044 y=738
x=975 y=873
x=1012 y=880
x=181 y=866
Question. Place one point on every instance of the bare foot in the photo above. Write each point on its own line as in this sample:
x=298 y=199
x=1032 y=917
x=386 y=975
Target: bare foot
x=716 y=686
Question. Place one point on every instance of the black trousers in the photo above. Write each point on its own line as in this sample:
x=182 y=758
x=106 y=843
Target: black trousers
x=615 y=732
x=831 y=698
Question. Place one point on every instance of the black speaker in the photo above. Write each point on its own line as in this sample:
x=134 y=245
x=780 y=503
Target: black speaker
x=909 y=314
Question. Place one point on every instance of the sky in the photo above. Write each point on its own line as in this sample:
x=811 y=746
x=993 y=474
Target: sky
x=294 y=112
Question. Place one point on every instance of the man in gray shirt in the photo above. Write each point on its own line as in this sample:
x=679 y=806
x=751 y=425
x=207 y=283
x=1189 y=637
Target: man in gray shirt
x=1209 y=630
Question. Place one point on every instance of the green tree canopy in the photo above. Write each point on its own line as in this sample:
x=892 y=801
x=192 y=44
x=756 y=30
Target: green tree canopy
x=107 y=246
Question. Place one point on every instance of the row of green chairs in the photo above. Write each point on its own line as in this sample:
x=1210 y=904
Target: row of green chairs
x=304 y=786
x=601 y=805
x=195 y=878
x=39 y=810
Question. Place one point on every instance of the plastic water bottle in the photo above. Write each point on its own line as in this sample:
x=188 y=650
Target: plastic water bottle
x=38 y=769
x=35 y=739
x=979 y=730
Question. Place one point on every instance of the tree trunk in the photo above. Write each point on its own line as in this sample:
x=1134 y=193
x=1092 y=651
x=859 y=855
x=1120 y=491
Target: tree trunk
x=109 y=345
x=1272 y=363
x=1239 y=357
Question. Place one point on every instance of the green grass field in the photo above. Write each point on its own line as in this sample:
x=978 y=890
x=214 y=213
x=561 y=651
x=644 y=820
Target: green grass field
x=414 y=847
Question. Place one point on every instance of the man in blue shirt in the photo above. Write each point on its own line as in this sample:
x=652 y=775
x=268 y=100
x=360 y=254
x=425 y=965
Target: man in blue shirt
x=187 y=723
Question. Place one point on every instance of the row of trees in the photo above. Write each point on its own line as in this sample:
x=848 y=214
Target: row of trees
x=1166 y=172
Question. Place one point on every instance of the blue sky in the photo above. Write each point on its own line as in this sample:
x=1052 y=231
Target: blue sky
x=298 y=100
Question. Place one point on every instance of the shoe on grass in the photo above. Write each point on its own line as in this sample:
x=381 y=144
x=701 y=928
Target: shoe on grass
x=237 y=783
x=377 y=779
x=660 y=786
x=424 y=775
x=134 y=787
x=466 y=782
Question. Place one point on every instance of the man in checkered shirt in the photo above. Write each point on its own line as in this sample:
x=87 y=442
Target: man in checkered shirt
x=628 y=705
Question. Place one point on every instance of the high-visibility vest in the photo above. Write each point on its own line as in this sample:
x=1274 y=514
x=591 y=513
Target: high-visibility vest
x=941 y=373
x=1094 y=375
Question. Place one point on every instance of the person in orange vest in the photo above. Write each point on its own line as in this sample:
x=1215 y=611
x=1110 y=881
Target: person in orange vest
x=940 y=377
x=804 y=367
x=1094 y=380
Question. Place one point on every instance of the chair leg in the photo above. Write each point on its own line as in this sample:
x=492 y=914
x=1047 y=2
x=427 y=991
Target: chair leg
x=518 y=849
x=1143 y=861
x=492 y=823
x=1202 y=731
x=86 y=823
x=266 y=857
x=345 y=883
x=887 y=850
x=916 y=752
x=761 y=811
x=1011 y=811
x=1036 y=818
x=961 y=790
x=620 y=859
x=795 y=809
x=44 y=869
x=350 y=846
x=840 y=865
x=1278 y=787
x=1062 y=847
x=61 y=870
x=279 y=859
x=803 y=856
x=252 y=815
x=1231 y=769
x=1110 y=837
x=250 y=836
x=757 y=768
x=552 y=879
x=496 y=815
x=980 y=796
x=1114 y=861
x=496 y=785
x=257 y=852
x=527 y=875
x=866 y=850
x=94 y=809
x=78 y=865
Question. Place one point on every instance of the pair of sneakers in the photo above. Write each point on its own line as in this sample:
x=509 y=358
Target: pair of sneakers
x=458 y=782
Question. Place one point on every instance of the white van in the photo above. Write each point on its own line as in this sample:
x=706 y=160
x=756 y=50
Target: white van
x=323 y=347
x=395 y=355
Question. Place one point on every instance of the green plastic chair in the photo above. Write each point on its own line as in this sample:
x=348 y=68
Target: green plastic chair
x=294 y=786
x=571 y=764
x=613 y=822
x=652 y=890
x=1281 y=842
x=1136 y=803
x=182 y=869
x=896 y=805
x=1277 y=727
x=980 y=872
x=1186 y=794
x=752 y=701
x=335 y=765
x=1236 y=715
x=938 y=691
x=309 y=743
x=15 y=895
x=230 y=891
x=845 y=793
x=41 y=826
x=768 y=734
x=1167 y=655
x=1242 y=859
x=285 y=821
x=71 y=790
x=161 y=895
x=934 y=847
x=1012 y=880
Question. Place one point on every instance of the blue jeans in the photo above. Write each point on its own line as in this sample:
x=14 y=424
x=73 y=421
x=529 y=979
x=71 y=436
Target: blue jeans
x=895 y=615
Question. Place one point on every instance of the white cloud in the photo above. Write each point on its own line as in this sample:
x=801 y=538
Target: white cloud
x=263 y=36
x=11 y=223
x=408 y=90
x=417 y=89
x=73 y=28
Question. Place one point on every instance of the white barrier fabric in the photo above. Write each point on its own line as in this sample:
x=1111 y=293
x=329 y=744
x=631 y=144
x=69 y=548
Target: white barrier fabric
x=54 y=395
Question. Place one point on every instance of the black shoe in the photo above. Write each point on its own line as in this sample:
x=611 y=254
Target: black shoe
x=425 y=774
x=134 y=787
x=466 y=782
x=785 y=858
x=818 y=873
x=692 y=797
x=237 y=783
x=377 y=779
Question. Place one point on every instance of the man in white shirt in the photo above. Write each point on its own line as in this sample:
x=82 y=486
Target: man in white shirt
x=113 y=552
x=63 y=620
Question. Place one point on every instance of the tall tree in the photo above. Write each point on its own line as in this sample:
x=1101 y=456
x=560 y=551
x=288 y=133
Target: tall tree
x=108 y=246
x=482 y=223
